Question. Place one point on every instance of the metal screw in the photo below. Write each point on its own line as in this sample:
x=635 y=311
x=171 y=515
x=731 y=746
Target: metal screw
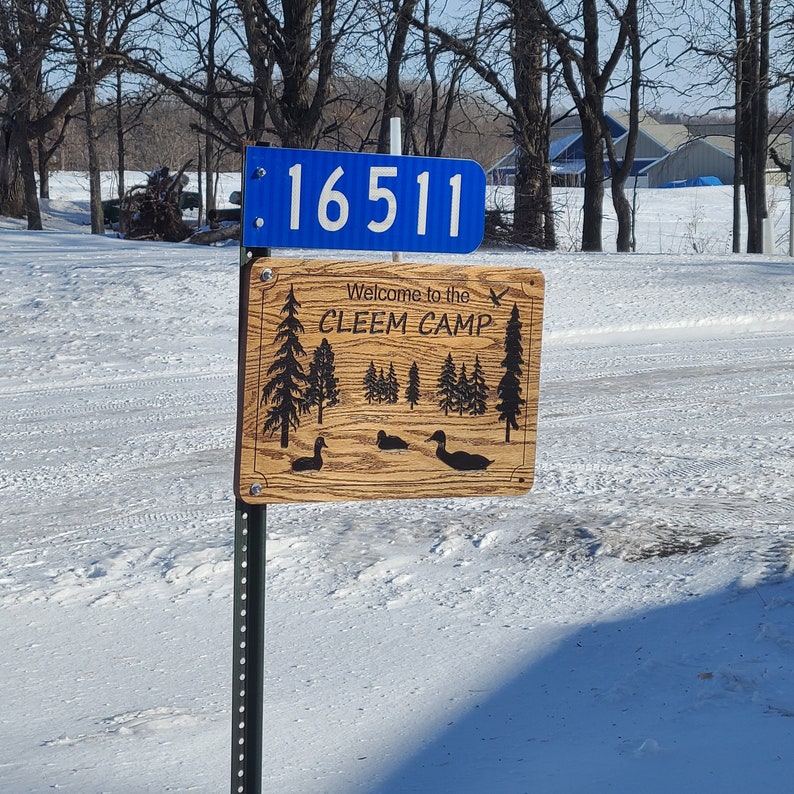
x=259 y=222
x=256 y=489
x=267 y=274
x=259 y=172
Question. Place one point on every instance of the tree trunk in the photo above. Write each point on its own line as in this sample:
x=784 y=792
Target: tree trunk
x=215 y=235
x=44 y=171
x=761 y=118
x=302 y=49
x=749 y=151
x=391 y=99
x=546 y=186
x=593 y=209
x=28 y=173
x=528 y=209
x=210 y=200
x=621 y=170
x=94 y=169
x=738 y=126
x=121 y=152
x=18 y=196
x=752 y=77
x=623 y=212
x=533 y=177
x=32 y=208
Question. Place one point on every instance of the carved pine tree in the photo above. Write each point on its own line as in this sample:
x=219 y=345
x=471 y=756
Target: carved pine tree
x=392 y=387
x=446 y=385
x=285 y=389
x=479 y=390
x=412 y=390
x=323 y=385
x=371 y=383
x=381 y=387
x=509 y=389
x=462 y=394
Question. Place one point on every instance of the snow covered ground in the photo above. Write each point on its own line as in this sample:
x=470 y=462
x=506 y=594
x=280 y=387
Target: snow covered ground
x=626 y=627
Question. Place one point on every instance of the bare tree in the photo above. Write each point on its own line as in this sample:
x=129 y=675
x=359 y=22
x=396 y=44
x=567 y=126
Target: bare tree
x=736 y=57
x=292 y=51
x=437 y=106
x=621 y=167
x=87 y=31
x=588 y=79
x=84 y=41
x=211 y=84
x=49 y=144
x=26 y=33
x=514 y=26
x=97 y=34
x=395 y=30
x=129 y=107
x=752 y=110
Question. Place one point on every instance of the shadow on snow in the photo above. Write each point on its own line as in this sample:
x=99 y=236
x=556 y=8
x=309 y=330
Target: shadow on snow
x=698 y=696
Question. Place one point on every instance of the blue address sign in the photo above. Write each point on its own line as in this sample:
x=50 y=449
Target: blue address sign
x=303 y=198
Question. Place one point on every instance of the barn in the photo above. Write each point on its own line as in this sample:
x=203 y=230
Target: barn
x=667 y=155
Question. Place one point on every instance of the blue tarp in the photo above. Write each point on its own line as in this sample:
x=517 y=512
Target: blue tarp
x=695 y=181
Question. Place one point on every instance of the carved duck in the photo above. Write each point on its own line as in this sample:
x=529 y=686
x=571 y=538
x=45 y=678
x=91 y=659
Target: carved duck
x=460 y=460
x=390 y=442
x=314 y=462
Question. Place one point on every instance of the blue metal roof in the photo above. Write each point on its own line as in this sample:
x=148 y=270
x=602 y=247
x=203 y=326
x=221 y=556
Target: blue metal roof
x=558 y=148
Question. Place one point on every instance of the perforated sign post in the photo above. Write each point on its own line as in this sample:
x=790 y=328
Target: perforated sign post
x=368 y=380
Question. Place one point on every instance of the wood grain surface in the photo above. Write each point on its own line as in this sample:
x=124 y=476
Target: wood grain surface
x=348 y=359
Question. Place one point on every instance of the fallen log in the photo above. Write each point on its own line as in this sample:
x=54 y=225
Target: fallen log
x=210 y=236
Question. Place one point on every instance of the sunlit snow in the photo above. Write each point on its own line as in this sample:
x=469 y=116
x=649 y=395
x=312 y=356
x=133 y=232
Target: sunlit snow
x=626 y=627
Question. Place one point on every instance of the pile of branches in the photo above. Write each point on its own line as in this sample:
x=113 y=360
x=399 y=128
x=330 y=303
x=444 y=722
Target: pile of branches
x=152 y=211
x=498 y=227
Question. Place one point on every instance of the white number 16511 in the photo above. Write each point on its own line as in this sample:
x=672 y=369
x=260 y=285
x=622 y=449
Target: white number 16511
x=331 y=197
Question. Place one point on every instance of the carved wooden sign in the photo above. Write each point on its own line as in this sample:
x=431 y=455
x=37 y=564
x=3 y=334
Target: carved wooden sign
x=381 y=380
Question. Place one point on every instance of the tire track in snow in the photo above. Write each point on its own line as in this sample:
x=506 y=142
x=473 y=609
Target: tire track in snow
x=123 y=556
x=42 y=394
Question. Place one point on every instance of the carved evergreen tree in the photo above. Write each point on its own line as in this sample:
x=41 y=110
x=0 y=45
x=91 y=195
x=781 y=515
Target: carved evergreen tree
x=412 y=390
x=392 y=386
x=371 y=383
x=462 y=395
x=509 y=389
x=446 y=385
x=381 y=387
x=323 y=385
x=285 y=389
x=479 y=390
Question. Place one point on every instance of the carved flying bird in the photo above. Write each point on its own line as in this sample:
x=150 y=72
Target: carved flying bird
x=497 y=299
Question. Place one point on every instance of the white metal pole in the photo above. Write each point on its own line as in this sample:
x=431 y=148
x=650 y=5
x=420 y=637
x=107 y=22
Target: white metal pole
x=396 y=148
x=395 y=136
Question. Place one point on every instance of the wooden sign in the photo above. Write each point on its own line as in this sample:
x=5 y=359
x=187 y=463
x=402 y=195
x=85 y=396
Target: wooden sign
x=381 y=380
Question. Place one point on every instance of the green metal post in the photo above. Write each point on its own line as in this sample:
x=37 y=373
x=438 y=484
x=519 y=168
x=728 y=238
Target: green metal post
x=248 y=665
